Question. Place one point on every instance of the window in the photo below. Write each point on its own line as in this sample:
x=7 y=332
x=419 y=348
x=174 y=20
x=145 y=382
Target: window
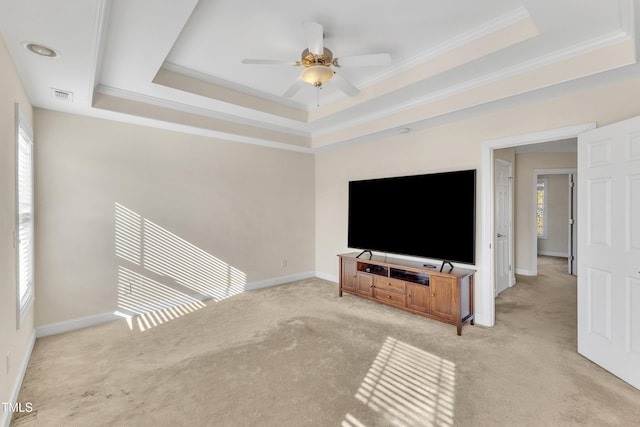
x=541 y=208
x=24 y=215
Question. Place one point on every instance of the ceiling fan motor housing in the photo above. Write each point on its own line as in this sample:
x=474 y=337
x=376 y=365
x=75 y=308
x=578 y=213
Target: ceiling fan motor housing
x=309 y=59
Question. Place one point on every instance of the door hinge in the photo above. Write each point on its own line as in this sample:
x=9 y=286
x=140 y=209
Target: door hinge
x=509 y=268
x=570 y=221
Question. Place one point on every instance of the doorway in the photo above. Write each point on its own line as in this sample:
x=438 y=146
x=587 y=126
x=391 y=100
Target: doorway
x=555 y=198
x=485 y=315
x=606 y=279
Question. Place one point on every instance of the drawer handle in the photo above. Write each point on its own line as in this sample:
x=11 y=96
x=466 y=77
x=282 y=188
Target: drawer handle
x=389 y=296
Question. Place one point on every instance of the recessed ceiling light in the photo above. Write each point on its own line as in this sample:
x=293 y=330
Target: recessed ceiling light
x=41 y=50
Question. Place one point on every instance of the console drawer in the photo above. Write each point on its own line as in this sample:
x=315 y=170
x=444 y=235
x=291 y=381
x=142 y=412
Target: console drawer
x=391 y=285
x=390 y=297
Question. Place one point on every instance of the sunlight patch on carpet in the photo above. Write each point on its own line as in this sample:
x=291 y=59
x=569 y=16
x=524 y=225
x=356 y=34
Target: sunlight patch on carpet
x=146 y=303
x=409 y=387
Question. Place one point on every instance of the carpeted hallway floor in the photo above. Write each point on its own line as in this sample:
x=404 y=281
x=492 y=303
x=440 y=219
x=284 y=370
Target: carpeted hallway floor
x=297 y=355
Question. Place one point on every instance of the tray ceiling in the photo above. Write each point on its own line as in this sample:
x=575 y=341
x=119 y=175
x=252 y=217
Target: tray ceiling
x=178 y=64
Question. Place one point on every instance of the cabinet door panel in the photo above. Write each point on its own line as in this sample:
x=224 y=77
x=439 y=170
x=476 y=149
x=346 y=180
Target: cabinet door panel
x=418 y=297
x=349 y=275
x=364 y=284
x=442 y=297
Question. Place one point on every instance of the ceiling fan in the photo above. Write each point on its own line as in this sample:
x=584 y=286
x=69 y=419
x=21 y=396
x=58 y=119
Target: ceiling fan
x=319 y=63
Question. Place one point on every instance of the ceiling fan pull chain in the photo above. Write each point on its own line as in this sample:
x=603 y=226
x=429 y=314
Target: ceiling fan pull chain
x=318 y=96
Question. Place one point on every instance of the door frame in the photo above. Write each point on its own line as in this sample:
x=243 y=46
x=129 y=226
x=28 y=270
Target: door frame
x=486 y=316
x=534 y=236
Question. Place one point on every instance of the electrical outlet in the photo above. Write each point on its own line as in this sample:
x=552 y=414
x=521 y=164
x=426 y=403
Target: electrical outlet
x=283 y=263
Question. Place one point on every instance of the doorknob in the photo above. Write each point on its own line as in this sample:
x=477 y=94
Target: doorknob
x=501 y=235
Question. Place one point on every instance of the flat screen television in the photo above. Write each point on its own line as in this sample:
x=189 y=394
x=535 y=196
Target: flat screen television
x=429 y=216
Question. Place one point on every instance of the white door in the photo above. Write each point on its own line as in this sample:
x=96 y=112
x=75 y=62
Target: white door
x=503 y=225
x=609 y=248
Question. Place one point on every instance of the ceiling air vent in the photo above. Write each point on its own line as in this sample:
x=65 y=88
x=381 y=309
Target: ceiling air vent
x=62 y=95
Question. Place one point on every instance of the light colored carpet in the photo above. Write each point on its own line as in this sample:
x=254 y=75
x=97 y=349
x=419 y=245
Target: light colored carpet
x=298 y=355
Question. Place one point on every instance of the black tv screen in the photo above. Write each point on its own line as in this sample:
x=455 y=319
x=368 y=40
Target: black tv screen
x=430 y=216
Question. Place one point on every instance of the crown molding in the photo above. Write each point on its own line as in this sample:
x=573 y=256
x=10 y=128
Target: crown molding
x=102 y=16
x=191 y=130
x=185 y=108
x=450 y=45
x=560 y=55
x=625 y=34
x=626 y=11
x=179 y=69
x=552 y=58
x=477 y=33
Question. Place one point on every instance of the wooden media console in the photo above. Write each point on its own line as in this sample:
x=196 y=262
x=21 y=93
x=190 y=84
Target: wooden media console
x=446 y=296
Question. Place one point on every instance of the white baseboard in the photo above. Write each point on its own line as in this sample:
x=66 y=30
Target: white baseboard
x=279 y=281
x=524 y=272
x=73 y=324
x=5 y=418
x=97 y=319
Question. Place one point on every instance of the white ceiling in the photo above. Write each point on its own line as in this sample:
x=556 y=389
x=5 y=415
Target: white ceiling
x=178 y=64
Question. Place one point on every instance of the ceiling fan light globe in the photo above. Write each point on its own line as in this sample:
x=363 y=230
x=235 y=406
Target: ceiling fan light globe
x=317 y=74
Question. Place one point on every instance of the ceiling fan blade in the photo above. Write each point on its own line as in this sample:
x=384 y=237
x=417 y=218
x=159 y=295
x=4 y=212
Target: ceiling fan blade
x=268 y=62
x=344 y=85
x=375 y=59
x=294 y=88
x=315 y=37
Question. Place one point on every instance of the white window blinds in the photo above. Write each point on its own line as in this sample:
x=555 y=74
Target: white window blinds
x=24 y=215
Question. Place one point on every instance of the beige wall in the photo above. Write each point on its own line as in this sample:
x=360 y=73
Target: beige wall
x=213 y=211
x=557 y=241
x=451 y=146
x=526 y=236
x=13 y=342
x=508 y=154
